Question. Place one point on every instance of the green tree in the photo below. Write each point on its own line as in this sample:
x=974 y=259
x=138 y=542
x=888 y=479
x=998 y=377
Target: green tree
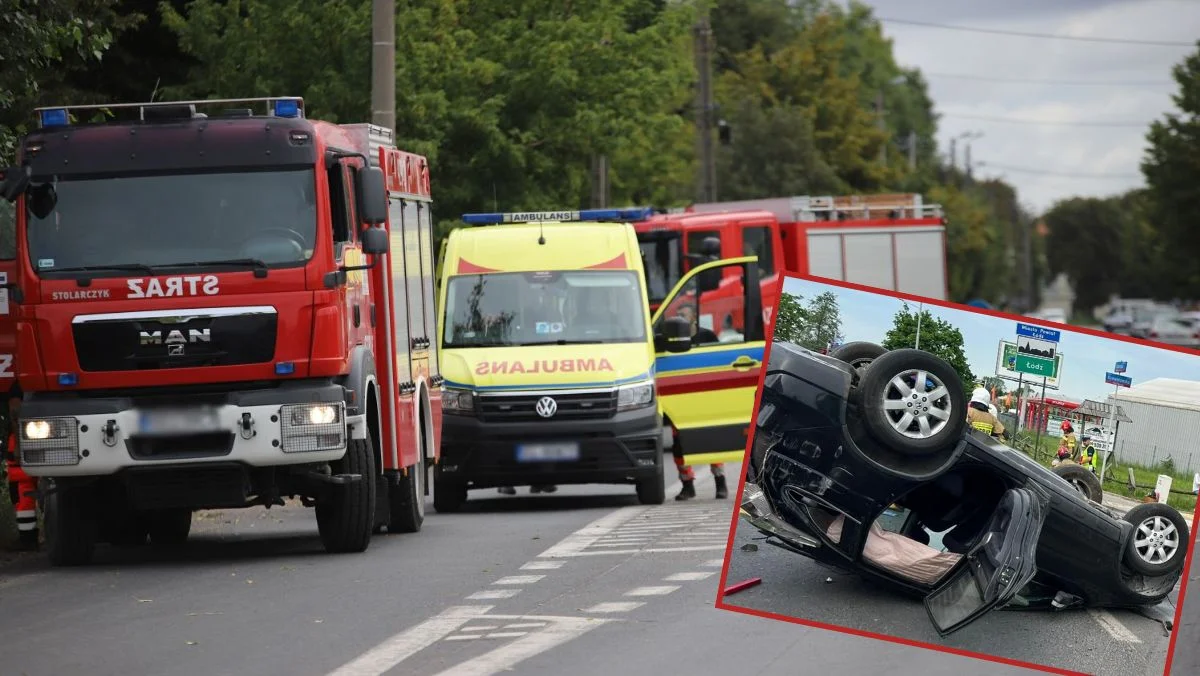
x=938 y=337
x=1172 y=170
x=815 y=326
x=790 y=318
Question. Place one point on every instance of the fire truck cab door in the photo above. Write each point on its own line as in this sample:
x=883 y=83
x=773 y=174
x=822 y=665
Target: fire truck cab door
x=707 y=391
x=8 y=271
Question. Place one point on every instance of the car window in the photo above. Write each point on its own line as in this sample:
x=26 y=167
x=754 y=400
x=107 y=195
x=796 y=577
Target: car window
x=717 y=318
x=756 y=241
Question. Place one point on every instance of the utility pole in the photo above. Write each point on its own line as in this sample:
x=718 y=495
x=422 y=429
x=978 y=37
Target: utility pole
x=600 y=182
x=881 y=124
x=967 y=161
x=912 y=150
x=383 y=64
x=953 y=153
x=707 y=189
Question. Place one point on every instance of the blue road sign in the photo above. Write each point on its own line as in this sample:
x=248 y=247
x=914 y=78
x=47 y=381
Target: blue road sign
x=1121 y=366
x=1119 y=381
x=1038 y=332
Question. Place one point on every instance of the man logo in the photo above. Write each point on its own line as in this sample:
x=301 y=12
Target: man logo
x=175 y=339
x=546 y=407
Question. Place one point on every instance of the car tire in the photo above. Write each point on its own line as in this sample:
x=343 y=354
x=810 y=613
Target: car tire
x=69 y=514
x=1082 y=480
x=169 y=527
x=1162 y=523
x=448 y=494
x=346 y=513
x=896 y=428
x=651 y=491
x=407 y=500
x=859 y=354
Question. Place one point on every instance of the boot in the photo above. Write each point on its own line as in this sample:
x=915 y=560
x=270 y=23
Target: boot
x=722 y=491
x=688 y=491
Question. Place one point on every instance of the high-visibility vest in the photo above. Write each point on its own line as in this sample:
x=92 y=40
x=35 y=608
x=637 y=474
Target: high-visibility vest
x=1087 y=456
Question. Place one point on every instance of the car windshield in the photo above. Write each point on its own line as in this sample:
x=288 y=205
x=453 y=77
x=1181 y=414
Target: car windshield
x=544 y=308
x=177 y=219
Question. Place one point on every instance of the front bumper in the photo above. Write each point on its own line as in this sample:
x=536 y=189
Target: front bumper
x=757 y=511
x=268 y=427
x=621 y=449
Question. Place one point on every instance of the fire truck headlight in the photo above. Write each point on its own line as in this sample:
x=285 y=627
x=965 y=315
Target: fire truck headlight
x=635 y=396
x=313 y=427
x=49 y=441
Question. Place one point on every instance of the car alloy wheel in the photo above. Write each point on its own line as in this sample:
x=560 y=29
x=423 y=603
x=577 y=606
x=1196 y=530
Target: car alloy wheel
x=1156 y=540
x=918 y=404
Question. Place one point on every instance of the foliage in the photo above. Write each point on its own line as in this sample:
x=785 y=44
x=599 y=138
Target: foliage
x=815 y=326
x=938 y=337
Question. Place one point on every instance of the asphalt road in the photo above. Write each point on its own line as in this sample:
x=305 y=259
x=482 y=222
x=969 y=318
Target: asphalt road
x=1102 y=642
x=584 y=581
x=1186 y=661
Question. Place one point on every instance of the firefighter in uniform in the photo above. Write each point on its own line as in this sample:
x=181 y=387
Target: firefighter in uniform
x=22 y=488
x=1068 y=433
x=979 y=415
x=1087 y=453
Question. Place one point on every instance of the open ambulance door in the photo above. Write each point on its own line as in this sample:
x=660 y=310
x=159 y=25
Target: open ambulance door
x=995 y=569
x=709 y=341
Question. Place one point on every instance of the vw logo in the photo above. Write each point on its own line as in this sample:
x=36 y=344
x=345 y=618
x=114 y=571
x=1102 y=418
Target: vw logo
x=546 y=407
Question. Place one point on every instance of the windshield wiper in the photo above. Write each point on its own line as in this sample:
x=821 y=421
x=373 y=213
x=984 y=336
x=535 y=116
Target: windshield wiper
x=259 y=265
x=118 y=267
x=563 y=342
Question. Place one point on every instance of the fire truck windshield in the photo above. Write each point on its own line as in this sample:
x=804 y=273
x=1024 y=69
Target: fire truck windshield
x=544 y=308
x=159 y=221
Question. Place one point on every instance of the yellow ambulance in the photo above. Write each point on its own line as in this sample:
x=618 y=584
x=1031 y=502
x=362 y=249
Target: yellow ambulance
x=549 y=355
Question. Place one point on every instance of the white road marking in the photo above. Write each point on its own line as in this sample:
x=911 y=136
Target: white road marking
x=462 y=637
x=519 y=579
x=504 y=658
x=690 y=577
x=507 y=634
x=481 y=627
x=525 y=625
x=715 y=563
x=543 y=565
x=652 y=591
x=615 y=607
x=584 y=537
x=403 y=645
x=1113 y=626
x=494 y=594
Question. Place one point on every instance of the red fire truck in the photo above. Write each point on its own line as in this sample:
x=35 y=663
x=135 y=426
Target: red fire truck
x=221 y=310
x=893 y=242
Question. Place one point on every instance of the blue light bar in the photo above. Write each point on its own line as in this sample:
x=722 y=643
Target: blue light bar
x=285 y=368
x=55 y=117
x=595 y=215
x=287 y=108
x=68 y=379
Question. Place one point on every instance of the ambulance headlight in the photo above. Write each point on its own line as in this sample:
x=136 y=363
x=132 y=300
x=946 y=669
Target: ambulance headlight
x=461 y=402
x=635 y=396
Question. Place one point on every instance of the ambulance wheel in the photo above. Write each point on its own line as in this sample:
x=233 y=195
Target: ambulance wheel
x=71 y=528
x=651 y=491
x=448 y=494
x=169 y=527
x=1082 y=480
x=407 y=500
x=346 y=512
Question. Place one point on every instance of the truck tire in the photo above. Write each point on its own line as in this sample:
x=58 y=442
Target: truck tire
x=71 y=529
x=448 y=494
x=407 y=500
x=346 y=512
x=1159 y=542
x=169 y=527
x=1082 y=480
x=651 y=491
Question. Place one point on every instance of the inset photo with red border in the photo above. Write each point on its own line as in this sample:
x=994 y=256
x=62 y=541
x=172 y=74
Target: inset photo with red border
x=991 y=485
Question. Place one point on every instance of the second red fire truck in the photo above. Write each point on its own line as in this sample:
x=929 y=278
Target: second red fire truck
x=220 y=310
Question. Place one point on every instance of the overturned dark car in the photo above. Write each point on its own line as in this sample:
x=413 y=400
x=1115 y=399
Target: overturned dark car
x=863 y=460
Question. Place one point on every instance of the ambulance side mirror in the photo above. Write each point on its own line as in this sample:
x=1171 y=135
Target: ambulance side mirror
x=676 y=336
x=372 y=196
x=374 y=241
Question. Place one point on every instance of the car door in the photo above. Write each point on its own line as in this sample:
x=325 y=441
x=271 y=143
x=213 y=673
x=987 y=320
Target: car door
x=996 y=568
x=707 y=391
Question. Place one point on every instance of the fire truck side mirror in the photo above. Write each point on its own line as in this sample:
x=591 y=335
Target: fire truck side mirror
x=15 y=181
x=372 y=196
x=374 y=241
x=709 y=280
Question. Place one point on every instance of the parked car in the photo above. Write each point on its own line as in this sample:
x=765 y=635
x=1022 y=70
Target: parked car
x=871 y=468
x=1173 y=329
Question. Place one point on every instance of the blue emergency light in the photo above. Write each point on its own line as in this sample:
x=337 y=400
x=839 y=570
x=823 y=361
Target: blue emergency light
x=55 y=117
x=284 y=368
x=68 y=379
x=287 y=108
x=594 y=215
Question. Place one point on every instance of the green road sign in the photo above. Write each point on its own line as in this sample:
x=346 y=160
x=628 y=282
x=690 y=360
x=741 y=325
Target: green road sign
x=1035 y=366
x=1006 y=365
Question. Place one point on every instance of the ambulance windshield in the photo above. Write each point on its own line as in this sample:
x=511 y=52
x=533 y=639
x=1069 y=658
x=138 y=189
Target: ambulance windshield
x=163 y=221
x=544 y=308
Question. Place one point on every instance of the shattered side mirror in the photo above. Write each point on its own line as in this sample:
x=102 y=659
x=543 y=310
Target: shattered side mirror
x=14 y=181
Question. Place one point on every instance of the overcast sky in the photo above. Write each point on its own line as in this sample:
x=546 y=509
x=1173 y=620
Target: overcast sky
x=1140 y=89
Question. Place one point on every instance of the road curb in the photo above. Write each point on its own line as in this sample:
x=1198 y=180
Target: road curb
x=1123 y=503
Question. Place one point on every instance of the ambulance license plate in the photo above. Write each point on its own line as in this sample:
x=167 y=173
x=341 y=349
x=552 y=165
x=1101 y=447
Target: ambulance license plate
x=171 y=422
x=564 y=452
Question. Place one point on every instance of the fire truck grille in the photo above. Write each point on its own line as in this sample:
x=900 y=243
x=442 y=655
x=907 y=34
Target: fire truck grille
x=139 y=344
x=524 y=407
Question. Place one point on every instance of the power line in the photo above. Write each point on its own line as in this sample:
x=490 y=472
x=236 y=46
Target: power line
x=1045 y=36
x=1063 y=174
x=1069 y=83
x=1056 y=123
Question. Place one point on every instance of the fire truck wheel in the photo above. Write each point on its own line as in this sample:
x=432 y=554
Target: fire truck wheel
x=448 y=495
x=169 y=527
x=651 y=491
x=407 y=500
x=71 y=528
x=346 y=513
